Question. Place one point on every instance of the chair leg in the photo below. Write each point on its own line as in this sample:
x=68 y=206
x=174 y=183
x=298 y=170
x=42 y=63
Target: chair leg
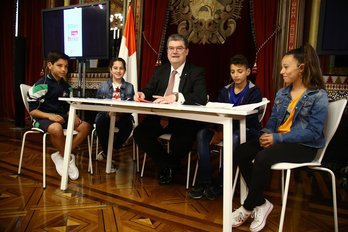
x=96 y=147
x=90 y=146
x=188 y=170
x=168 y=148
x=195 y=175
x=284 y=200
x=234 y=184
x=136 y=154
x=220 y=158
x=92 y=139
x=243 y=187
x=22 y=151
x=143 y=167
x=137 y=151
x=282 y=182
x=242 y=184
x=44 y=160
x=334 y=197
x=134 y=150
x=43 y=155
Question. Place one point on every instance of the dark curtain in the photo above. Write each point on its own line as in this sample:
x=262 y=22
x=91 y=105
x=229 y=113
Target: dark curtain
x=265 y=23
x=29 y=28
x=7 y=35
x=154 y=19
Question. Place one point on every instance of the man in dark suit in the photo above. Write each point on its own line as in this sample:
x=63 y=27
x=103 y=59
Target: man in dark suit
x=177 y=82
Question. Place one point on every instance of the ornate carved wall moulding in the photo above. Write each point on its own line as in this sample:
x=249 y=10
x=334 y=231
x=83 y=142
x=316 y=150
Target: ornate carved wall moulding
x=206 y=21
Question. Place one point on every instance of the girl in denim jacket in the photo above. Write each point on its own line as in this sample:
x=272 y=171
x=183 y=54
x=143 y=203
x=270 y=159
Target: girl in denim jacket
x=293 y=133
x=114 y=88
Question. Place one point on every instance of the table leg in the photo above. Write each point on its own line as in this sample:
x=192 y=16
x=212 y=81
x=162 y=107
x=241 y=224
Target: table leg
x=68 y=145
x=228 y=170
x=111 y=142
x=243 y=187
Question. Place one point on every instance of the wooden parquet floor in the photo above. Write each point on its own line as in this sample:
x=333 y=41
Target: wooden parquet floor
x=126 y=202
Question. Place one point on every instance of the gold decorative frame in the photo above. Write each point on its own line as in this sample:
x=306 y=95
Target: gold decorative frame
x=206 y=21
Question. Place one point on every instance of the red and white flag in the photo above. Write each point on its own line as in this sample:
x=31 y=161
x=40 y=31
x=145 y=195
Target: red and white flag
x=128 y=50
x=128 y=53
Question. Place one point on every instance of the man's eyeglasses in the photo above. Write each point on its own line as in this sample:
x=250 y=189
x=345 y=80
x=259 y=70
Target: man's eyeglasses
x=178 y=49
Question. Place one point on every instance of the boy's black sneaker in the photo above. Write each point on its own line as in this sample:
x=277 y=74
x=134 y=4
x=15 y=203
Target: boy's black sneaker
x=213 y=192
x=197 y=192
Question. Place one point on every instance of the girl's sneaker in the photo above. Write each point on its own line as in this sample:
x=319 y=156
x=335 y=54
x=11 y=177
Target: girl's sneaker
x=239 y=216
x=260 y=215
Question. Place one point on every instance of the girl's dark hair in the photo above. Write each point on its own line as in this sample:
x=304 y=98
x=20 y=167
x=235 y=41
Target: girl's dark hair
x=118 y=59
x=312 y=77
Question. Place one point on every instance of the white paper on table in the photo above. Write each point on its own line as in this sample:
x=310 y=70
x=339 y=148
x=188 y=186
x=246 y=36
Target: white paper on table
x=219 y=105
x=252 y=106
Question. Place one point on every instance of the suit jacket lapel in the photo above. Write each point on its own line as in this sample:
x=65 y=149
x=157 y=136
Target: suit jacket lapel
x=183 y=77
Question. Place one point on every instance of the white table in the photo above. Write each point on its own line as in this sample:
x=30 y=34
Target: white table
x=220 y=115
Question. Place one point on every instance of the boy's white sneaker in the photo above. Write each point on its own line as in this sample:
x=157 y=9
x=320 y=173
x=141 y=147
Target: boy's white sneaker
x=73 y=170
x=239 y=216
x=260 y=214
x=58 y=162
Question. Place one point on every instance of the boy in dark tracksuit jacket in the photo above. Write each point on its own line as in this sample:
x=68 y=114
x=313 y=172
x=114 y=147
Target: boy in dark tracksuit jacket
x=51 y=115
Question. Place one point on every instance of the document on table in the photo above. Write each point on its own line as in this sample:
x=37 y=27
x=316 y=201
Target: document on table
x=241 y=107
x=219 y=105
x=251 y=106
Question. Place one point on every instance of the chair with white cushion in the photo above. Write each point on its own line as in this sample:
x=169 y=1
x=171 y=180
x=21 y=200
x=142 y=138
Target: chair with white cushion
x=24 y=90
